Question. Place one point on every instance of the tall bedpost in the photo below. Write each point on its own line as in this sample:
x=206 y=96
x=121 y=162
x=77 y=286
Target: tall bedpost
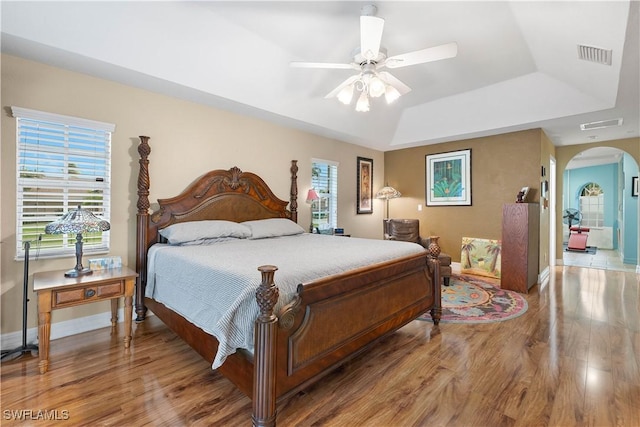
x=142 y=225
x=264 y=359
x=436 y=311
x=293 y=194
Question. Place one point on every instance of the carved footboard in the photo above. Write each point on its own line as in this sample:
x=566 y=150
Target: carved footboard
x=333 y=320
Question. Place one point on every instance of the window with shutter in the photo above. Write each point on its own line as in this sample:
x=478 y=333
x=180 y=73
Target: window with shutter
x=62 y=162
x=324 y=179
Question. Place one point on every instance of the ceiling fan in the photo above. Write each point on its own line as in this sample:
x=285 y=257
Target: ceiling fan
x=370 y=58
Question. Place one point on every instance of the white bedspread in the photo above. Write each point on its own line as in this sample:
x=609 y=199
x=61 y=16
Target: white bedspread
x=213 y=286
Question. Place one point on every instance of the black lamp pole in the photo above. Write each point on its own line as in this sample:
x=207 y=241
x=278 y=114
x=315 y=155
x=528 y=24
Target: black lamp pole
x=24 y=348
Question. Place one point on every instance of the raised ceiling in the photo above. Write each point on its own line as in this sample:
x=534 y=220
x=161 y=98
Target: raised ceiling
x=517 y=65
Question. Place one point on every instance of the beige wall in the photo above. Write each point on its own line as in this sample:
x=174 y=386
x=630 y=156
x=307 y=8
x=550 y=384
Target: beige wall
x=187 y=140
x=500 y=166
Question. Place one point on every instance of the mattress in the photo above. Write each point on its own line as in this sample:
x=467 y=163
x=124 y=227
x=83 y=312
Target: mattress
x=213 y=285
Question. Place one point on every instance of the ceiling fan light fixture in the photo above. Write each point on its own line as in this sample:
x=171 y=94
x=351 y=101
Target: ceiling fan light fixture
x=363 y=103
x=376 y=87
x=391 y=94
x=346 y=94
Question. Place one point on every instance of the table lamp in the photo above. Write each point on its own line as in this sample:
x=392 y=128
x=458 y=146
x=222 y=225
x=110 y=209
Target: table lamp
x=77 y=221
x=312 y=196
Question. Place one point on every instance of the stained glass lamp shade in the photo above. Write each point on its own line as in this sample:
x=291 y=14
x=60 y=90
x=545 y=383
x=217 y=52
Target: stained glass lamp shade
x=77 y=221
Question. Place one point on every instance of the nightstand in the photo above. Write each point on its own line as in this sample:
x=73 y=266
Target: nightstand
x=57 y=291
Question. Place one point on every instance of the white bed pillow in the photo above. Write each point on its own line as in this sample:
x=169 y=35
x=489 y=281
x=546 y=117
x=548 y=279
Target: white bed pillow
x=272 y=227
x=193 y=232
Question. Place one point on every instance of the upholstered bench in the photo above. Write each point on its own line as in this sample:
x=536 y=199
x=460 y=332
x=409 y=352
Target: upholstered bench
x=408 y=230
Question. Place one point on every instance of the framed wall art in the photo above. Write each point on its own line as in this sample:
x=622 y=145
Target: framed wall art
x=364 y=191
x=448 y=178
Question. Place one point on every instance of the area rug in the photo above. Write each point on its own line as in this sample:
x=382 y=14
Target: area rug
x=470 y=300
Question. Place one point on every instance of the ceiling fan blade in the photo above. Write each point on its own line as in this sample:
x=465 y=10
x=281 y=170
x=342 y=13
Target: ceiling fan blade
x=342 y=85
x=436 y=53
x=390 y=79
x=370 y=36
x=328 y=65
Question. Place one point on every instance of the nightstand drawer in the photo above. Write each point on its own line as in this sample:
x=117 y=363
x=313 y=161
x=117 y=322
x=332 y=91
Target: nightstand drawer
x=79 y=295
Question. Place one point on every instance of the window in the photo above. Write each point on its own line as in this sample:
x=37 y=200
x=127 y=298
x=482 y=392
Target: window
x=324 y=179
x=592 y=205
x=62 y=162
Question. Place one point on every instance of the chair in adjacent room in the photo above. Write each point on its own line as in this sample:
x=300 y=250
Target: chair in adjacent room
x=408 y=230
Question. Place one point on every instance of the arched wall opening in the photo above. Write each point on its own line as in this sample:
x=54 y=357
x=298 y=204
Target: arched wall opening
x=613 y=170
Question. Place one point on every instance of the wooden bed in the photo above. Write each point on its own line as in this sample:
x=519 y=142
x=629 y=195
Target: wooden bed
x=301 y=343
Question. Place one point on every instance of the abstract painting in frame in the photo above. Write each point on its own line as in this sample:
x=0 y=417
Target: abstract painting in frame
x=448 y=178
x=365 y=186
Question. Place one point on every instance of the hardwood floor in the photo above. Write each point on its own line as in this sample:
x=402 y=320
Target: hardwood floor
x=572 y=360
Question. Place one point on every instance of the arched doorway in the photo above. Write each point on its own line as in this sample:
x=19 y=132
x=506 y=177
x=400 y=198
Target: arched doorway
x=596 y=183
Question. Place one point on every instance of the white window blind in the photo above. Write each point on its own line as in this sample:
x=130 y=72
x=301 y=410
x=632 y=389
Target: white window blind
x=324 y=179
x=62 y=162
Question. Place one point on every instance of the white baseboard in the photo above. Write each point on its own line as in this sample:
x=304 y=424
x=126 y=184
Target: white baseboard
x=543 y=276
x=63 y=329
x=455 y=267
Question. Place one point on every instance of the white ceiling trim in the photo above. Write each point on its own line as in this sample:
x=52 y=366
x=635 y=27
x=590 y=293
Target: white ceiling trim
x=527 y=99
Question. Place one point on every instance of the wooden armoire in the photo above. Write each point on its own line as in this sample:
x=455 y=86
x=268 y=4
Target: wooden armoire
x=520 y=246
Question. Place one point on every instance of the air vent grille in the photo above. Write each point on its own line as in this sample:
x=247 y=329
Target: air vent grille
x=594 y=54
x=601 y=124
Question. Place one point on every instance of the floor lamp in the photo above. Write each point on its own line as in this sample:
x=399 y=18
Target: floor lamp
x=24 y=348
x=387 y=193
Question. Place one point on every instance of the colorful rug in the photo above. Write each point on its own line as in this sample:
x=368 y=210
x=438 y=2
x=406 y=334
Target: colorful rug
x=469 y=300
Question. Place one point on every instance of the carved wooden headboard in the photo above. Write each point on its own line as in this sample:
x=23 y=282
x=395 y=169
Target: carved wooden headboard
x=230 y=195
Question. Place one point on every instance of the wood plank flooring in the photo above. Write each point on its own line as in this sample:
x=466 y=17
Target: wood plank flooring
x=572 y=360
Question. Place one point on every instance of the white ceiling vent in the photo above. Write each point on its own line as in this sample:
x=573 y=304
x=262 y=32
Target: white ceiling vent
x=594 y=54
x=601 y=124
